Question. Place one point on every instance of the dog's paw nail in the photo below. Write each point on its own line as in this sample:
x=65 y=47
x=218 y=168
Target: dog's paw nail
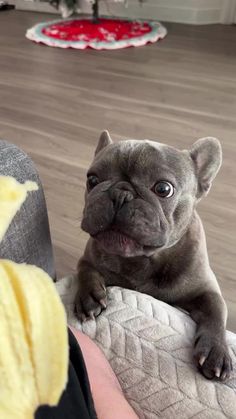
x=83 y=318
x=202 y=359
x=217 y=372
x=103 y=286
x=103 y=303
x=223 y=376
x=91 y=315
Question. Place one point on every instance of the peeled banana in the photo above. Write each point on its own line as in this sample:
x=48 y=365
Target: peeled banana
x=33 y=332
x=12 y=196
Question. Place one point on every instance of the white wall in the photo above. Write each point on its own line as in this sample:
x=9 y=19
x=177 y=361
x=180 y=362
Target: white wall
x=183 y=11
x=229 y=12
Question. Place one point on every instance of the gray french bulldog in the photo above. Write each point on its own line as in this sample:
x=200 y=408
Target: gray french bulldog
x=145 y=234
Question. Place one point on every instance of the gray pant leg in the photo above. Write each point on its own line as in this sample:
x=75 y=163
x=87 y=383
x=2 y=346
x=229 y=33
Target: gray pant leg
x=28 y=237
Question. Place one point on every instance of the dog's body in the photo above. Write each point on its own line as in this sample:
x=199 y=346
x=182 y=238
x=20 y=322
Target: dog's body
x=146 y=235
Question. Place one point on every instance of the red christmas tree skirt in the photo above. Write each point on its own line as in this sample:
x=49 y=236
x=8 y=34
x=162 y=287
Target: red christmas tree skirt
x=106 y=34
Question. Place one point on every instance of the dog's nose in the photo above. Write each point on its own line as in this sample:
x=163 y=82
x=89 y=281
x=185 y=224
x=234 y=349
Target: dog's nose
x=120 y=195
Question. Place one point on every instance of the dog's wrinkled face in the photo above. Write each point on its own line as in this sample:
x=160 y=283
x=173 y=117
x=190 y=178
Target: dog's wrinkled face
x=141 y=194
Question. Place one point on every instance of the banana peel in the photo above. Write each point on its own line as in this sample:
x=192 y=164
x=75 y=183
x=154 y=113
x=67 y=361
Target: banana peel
x=34 y=339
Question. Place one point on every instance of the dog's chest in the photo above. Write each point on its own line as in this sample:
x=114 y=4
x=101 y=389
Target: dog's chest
x=141 y=274
x=126 y=272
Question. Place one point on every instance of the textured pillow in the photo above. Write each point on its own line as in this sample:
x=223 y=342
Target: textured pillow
x=149 y=346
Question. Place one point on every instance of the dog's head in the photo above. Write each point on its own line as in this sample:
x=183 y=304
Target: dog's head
x=141 y=194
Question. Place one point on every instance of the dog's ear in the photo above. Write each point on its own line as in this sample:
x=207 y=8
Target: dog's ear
x=103 y=141
x=206 y=154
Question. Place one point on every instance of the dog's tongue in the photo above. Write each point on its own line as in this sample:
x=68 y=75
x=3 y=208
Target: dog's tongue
x=116 y=242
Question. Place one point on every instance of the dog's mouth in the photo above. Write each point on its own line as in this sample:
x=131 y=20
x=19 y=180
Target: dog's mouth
x=116 y=242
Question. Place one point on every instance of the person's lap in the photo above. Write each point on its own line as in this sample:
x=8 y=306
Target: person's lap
x=76 y=401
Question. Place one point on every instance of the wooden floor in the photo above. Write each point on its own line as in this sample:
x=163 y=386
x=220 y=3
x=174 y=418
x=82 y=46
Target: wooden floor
x=54 y=103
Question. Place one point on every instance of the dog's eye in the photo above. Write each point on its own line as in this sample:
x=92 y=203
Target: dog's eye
x=92 y=181
x=164 y=189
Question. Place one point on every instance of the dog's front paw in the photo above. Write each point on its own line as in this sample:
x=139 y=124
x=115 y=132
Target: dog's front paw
x=90 y=300
x=212 y=356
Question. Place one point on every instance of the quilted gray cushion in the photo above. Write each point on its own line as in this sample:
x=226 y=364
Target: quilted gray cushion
x=149 y=346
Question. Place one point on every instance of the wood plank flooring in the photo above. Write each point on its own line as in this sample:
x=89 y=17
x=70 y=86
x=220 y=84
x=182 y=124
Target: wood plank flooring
x=54 y=103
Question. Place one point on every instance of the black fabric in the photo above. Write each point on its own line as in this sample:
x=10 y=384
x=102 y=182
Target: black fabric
x=76 y=401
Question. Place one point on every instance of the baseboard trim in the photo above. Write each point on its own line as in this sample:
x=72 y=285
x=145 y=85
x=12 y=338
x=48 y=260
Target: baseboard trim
x=34 y=6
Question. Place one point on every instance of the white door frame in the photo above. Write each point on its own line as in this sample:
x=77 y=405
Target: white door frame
x=228 y=14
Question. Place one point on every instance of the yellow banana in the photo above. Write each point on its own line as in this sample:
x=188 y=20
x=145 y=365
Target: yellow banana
x=12 y=196
x=33 y=332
